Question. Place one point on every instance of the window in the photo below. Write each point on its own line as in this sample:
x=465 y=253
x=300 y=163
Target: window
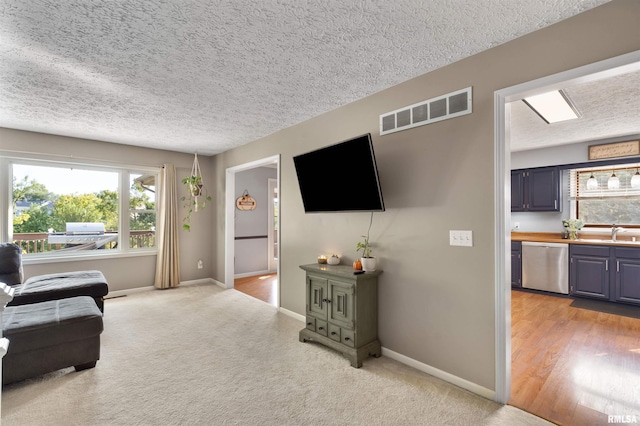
x=142 y=210
x=597 y=202
x=73 y=208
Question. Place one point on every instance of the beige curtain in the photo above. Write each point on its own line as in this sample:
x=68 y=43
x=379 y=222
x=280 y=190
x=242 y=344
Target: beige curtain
x=168 y=262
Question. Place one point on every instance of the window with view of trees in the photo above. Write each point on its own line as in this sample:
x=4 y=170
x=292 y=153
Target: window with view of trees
x=599 y=202
x=52 y=201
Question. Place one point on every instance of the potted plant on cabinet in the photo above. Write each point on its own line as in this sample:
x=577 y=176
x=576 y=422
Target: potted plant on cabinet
x=368 y=261
x=195 y=189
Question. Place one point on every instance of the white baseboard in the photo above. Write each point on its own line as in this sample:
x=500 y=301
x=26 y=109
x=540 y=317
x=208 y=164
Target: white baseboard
x=443 y=375
x=120 y=293
x=292 y=314
x=251 y=274
x=200 y=281
x=126 y=292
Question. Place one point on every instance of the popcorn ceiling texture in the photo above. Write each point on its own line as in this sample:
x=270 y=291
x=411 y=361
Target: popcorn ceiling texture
x=608 y=108
x=206 y=76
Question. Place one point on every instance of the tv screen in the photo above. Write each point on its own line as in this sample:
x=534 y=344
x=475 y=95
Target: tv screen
x=340 y=178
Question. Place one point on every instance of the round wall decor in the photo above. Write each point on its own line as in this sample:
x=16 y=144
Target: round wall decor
x=245 y=202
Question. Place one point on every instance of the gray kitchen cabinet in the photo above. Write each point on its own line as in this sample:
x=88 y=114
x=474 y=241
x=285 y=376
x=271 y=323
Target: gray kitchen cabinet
x=342 y=310
x=516 y=264
x=627 y=270
x=589 y=273
x=536 y=190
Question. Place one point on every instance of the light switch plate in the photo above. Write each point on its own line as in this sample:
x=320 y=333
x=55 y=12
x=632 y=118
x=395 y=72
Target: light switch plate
x=461 y=238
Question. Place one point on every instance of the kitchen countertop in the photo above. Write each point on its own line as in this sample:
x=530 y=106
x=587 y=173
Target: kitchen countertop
x=583 y=238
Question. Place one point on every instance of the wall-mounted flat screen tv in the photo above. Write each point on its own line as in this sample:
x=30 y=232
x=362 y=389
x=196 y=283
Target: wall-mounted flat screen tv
x=340 y=178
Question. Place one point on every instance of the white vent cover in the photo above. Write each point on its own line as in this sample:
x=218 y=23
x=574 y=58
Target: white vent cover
x=443 y=107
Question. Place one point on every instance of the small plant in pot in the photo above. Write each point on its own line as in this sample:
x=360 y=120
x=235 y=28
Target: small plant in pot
x=197 y=197
x=368 y=261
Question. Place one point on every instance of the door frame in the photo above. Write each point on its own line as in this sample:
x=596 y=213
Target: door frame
x=272 y=263
x=502 y=189
x=229 y=223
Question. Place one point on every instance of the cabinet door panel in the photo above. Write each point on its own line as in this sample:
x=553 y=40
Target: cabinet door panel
x=544 y=190
x=590 y=277
x=628 y=281
x=517 y=188
x=317 y=295
x=516 y=268
x=341 y=309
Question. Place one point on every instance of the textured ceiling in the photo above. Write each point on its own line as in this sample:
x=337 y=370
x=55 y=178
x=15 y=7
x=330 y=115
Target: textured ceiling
x=608 y=108
x=206 y=76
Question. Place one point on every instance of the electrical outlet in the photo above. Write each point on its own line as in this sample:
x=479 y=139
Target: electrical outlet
x=461 y=238
x=516 y=225
x=200 y=264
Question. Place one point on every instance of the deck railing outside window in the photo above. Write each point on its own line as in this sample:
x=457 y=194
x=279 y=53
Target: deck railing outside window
x=38 y=242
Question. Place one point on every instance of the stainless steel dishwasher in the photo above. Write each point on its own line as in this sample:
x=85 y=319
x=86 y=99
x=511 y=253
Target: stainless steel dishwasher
x=545 y=266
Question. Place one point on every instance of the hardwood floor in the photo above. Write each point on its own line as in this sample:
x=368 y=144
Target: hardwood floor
x=572 y=364
x=263 y=287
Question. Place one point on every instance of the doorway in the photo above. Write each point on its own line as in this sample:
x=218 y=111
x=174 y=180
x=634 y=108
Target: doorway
x=503 y=302
x=261 y=282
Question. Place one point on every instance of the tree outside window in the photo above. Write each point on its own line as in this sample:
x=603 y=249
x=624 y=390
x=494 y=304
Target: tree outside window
x=46 y=197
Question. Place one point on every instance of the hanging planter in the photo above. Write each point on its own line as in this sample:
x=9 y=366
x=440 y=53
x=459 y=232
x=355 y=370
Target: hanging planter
x=197 y=194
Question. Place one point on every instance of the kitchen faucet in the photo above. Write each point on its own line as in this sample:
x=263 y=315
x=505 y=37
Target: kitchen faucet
x=614 y=231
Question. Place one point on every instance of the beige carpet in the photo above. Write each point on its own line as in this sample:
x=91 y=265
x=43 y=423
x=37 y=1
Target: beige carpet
x=200 y=355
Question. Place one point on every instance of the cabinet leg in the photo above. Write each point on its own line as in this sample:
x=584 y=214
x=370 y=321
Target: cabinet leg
x=375 y=350
x=301 y=336
x=355 y=361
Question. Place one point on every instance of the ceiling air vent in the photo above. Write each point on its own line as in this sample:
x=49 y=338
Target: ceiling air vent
x=443 y=107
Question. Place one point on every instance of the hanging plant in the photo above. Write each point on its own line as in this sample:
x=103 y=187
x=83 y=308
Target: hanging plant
x=197 y=195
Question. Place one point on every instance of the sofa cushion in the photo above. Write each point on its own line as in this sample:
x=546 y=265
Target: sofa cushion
x=10 y=264
x=51 y=323
x=63 y=285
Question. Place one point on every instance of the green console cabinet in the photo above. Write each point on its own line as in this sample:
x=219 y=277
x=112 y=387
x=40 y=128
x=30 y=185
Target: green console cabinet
x=342 y=310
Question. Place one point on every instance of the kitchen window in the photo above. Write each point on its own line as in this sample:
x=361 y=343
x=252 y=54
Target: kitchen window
x=78 y=209
x=604 y=196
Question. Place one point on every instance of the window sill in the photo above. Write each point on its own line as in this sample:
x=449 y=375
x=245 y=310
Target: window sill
x=37 y=259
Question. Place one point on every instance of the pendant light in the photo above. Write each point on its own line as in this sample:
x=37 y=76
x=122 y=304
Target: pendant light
x=635 y=180
x=592 y=183
x=613 y=182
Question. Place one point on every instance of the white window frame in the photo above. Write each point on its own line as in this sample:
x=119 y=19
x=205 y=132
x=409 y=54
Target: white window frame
x=123 y=170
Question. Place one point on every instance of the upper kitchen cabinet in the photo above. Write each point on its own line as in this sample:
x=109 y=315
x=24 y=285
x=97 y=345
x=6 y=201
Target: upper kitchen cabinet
x=536 y=190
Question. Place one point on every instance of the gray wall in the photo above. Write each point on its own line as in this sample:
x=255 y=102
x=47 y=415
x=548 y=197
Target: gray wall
x=128 y=272
x=436 y=301
x=558 y=155
x=251 y=254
